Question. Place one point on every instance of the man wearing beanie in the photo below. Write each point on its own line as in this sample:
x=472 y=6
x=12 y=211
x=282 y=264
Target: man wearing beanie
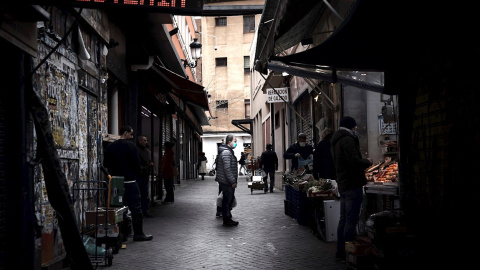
x=300 y=149
x=350 y=168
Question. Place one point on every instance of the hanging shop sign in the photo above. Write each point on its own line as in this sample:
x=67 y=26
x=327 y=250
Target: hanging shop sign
x=277 y=95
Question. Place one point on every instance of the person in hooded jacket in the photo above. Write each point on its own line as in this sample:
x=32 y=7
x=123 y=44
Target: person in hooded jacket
x=299 y=149
x=323 y=166
x=226 y=176
x=350 y=168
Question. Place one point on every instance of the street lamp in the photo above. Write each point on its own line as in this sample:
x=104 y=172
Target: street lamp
x=196 y=50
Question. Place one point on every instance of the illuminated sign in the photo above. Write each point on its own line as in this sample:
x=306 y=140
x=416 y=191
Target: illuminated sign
x=184 y=7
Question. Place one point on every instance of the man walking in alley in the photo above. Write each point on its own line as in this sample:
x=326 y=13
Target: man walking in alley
x=269 y=164
x=227 y=175
x=350 y=168
x=121 y=159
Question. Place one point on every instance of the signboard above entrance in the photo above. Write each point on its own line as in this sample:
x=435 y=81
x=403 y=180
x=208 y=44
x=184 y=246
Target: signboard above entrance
x=181 y=7
x=273 y=97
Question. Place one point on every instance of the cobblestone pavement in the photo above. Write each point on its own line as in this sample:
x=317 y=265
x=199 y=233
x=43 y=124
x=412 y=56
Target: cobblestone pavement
x=187 y=235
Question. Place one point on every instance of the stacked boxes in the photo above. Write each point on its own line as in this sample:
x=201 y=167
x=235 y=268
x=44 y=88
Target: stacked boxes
x=359 y=253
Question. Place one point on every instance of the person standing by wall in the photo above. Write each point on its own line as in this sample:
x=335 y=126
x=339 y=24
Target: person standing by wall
x=168 y=172
x=269 y=164
x=350 y=169
x=227 y=175
x=121 y=159
x=299 y=149
x=323 y=166
x=146 y=168
x=202 y=165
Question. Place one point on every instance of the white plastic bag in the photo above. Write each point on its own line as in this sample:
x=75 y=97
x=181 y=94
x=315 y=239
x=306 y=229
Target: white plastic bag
x=220 y=199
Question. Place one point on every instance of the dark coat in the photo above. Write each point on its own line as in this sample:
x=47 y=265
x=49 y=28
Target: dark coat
x=305 y=152
x=323 y=165
x=269 y=161
x=144 y=154
x=242 y=160
x=168 y=161
x=349 y=164
x=121 y=159
x=227 y=172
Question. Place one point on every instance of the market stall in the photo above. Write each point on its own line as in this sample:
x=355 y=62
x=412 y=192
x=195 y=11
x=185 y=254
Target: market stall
x=312 y=203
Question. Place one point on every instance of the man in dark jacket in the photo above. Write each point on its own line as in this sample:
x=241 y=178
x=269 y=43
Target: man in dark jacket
x=146 y=168
x=323 y=166
x=121 y=159
x=350 y=168
x=299 y=149
x=269 y=164
x=227 y=175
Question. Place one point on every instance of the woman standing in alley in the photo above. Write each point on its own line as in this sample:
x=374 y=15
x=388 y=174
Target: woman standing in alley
x=168 y=171
x=202 y=165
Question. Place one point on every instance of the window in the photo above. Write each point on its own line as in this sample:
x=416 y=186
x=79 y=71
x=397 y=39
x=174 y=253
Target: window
x=222 y=21
x=277 y=120
x=221 y=62
x=248 y=24
x=247 y=108
x=246 y=64
x=222 y=104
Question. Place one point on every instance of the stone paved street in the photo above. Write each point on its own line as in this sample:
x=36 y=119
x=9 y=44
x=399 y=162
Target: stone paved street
x=187 y=235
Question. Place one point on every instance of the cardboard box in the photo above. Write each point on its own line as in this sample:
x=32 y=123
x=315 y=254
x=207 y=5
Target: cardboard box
x=115 y=215
x=112 y=231
x=360 y=259
x=358 y=248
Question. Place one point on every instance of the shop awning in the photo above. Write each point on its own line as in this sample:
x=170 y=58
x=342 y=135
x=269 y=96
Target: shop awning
x=187 y=90
x=380 y=36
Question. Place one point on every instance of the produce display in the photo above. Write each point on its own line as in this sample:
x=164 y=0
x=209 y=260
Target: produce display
x=385 y=172
x=305 y=182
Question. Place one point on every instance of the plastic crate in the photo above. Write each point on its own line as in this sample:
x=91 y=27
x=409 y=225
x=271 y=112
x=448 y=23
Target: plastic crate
x=288 y=208
x=301 y=215
x=288 y=193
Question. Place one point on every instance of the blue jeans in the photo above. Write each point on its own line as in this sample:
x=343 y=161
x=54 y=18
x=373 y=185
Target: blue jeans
x=228 y=193
x=350 y=205
x=272 y=180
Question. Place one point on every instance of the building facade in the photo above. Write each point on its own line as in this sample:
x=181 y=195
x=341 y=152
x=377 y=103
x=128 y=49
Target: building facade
x=226 y=42
x=76 y=76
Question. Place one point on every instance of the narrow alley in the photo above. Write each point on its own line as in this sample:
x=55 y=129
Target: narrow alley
x=187 y=235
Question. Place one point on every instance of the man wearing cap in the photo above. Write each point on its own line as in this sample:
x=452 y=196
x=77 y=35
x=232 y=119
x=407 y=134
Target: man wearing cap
x=350 y=168
x=299 y=149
